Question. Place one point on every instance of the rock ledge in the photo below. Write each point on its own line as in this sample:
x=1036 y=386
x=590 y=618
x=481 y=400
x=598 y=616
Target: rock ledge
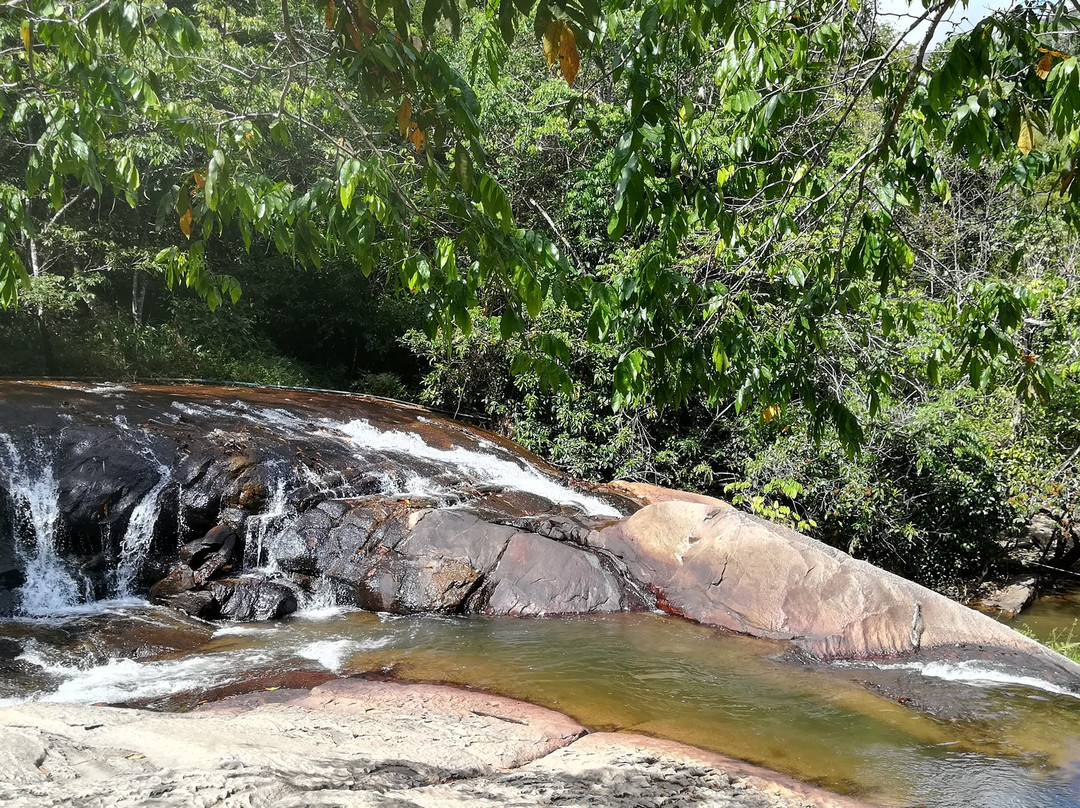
x=363 y=743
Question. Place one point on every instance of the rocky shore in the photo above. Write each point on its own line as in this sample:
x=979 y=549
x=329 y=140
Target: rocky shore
x=354 y=742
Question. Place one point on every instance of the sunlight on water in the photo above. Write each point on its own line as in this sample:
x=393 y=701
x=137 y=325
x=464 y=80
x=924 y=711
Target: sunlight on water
x=659 y=676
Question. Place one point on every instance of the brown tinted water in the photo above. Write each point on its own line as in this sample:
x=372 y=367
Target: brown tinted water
x=1053 y=616
x=645 y=673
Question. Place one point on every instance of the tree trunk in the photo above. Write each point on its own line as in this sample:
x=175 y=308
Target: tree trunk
x=45 y=339
x=138 y=297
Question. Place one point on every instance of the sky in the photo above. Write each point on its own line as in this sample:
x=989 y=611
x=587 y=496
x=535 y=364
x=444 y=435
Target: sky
x=959 y=18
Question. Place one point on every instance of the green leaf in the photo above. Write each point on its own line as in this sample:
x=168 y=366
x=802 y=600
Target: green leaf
x=348 y=178
x=215 y=176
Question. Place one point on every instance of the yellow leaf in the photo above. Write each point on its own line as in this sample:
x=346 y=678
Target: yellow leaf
x=27 y=36
x=770 y=412
x=552 y=41
x=329 y=12
x=199 y=181
x=418 y=138
x=569 y=59
x=404 y=117
x=1045 y=63
x=185 y=223
x=1026 y=142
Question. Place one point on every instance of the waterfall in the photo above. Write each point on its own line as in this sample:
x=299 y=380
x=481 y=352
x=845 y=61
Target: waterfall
x=486 y=465
x=258 y=527
x=140 y=532
x=49 y=586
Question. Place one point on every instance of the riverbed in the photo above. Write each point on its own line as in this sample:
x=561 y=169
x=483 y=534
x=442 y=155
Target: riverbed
x=1014 y=745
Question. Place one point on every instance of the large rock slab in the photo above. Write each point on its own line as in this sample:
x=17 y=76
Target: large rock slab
x=408 y=558
x=353 y=743
x=313 y=480
x=722 y=567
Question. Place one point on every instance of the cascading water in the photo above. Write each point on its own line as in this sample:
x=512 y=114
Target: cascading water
x=140 y=532
x=261 y=529
x=49 y=585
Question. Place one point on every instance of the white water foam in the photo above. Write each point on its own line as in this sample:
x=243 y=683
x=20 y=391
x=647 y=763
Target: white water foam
x=258 y=527
x=127 y=680
x=489 y=464
x=970 y=672
x=140 y=531
x=333 y=654
x=479 y=468
x=49 y=587
x=239 y=631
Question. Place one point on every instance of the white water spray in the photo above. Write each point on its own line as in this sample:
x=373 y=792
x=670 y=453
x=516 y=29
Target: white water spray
x=478 y=467
x=49 y=587
x=140 y=531
x=259 y=529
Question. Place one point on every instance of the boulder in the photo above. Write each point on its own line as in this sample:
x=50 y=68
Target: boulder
x=1013 y=597
x=199 y=603
x=725 y=568
x=537 y=576
x=648 y=494
x=181 y=579
x=222 y=540
x=253 y=598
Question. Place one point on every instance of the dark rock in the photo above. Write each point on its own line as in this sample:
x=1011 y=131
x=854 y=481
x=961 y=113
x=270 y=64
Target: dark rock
x=537 y=576
x=181 y=579
x=214 y=564
x=253 y=598
x=201 y=604
x=422 y=561
x=221 y=540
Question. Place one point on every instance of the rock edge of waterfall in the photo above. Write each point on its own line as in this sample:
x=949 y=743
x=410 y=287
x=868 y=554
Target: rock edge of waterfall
x=354 y=743
x=245 y=503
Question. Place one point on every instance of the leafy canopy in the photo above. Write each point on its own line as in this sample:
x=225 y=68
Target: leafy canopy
x=766 y=157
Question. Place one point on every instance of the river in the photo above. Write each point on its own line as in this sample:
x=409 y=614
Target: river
x=1015 y=746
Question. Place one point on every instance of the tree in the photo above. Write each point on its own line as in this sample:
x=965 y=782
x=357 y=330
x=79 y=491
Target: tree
x=746 y=205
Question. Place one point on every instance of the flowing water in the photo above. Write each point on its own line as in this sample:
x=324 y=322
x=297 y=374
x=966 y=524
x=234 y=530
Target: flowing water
x=50 y=585
x=978 y=740
x=1016 y=747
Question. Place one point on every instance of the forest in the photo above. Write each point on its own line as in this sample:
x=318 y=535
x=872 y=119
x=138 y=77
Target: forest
x=816 y=260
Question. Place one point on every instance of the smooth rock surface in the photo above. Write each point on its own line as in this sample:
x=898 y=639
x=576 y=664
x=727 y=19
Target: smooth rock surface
x=722 y=567
x=361 y=743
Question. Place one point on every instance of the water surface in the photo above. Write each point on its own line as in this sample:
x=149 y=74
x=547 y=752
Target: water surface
x=1018 y=746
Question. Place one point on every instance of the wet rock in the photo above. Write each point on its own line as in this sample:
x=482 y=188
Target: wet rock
x=222 y=540
x=200 y=604
x=216 y=564
x=181 y=579
x=722 y=567
x=252 y=598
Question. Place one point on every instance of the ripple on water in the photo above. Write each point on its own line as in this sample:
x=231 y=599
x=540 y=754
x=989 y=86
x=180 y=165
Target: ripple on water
x=663 y=677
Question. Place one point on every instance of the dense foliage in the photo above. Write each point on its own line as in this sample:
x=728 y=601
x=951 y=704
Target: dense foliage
x=713 y=244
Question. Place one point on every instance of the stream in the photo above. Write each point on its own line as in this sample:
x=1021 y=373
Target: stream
x=1014 y=746
x=100 y=485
